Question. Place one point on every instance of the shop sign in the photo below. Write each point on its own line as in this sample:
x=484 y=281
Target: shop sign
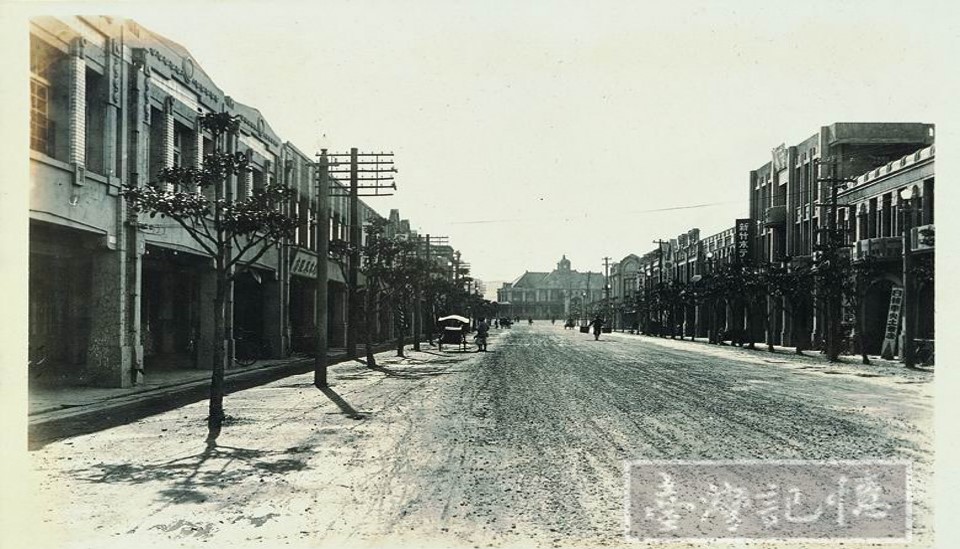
x=304 y=265
x=742 y=240
x=779 y=157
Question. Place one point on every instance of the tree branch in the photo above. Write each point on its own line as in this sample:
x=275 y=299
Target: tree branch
x=197 y=237
x=250 y=245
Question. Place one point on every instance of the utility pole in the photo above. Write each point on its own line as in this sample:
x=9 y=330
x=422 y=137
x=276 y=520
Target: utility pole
x=374 y=182
x=320 y=292
x=353 y=267
x=430 y=240
x=909 y=297
x=606 y=289
x=830 y=252
x=586 y=296
x=456 y=268
x=659 y=242
x=433 y=315
x=417 y=292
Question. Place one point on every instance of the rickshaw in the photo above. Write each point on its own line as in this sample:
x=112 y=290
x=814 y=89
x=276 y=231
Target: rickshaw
x=452 y=331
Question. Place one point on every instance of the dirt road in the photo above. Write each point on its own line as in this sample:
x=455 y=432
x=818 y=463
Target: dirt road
x=520 y=446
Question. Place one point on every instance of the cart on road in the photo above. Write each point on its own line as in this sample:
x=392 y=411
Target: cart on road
x=453 y=330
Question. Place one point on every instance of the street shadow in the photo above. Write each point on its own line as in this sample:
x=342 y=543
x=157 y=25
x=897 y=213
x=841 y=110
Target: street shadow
x=419 y=372
x=192 y=478
x=344 y=406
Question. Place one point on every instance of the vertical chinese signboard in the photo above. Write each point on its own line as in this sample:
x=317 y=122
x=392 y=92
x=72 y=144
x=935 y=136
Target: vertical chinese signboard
x=743 y=234
x=893 y=323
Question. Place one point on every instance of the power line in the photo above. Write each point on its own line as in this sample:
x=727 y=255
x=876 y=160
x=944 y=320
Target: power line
x=567 y=217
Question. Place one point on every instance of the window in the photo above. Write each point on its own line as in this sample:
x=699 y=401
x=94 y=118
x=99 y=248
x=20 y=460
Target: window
x=209 y=191
x=95 y=122
x=928 y=199
x=259 y=179
x=177 y=149
x=48 y=102
x=872 y=218
x=886 y=215
x=157 y=161
x=296 y=213
x=40 y=124
x=184 y=146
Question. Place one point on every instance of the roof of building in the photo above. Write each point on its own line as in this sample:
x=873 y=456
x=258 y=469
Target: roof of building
x=529 y=279
x=558 y=280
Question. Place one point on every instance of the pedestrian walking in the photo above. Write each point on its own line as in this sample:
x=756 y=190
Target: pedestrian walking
x=597 y=324
x=481 y=338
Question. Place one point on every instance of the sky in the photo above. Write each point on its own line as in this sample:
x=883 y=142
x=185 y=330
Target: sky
x=586 y=129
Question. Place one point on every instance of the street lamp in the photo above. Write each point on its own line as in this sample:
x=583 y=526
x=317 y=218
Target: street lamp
x=908 y=197
x=583 y=306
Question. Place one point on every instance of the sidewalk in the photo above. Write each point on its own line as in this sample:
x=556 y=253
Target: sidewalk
x=56 y=412
x=47 y=399
x=810 y=359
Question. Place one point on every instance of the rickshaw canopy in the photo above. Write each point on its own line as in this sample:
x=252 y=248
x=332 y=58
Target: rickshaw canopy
x=454 y=317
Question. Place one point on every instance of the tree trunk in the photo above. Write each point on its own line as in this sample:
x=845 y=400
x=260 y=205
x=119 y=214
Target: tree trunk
x=417 y=321
x=748 y=310
x=795 y=329
x=215 y=419
x=368 y=318
x=401 y=332
x=672 y=316
x=769 y=320
x=861 y=326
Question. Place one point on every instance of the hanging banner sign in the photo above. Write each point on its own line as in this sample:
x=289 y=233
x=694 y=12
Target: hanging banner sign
x=893 y=323
x=741 y=240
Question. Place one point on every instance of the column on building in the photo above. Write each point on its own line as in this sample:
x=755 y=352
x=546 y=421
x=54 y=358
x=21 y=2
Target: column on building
x=114 y=352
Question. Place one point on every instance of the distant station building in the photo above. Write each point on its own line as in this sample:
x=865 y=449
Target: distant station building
x=558 y=294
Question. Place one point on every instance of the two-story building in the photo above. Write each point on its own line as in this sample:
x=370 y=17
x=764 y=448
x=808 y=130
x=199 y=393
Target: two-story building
x=790 y=199
x=882 y=210
x=115 y=295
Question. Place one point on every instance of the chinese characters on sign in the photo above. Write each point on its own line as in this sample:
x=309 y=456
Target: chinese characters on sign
x=304 y=266
x=821 y=500
x=742 y=240
x=893 y=322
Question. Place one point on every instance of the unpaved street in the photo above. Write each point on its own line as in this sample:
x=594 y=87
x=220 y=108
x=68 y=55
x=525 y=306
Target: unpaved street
x=521 y=446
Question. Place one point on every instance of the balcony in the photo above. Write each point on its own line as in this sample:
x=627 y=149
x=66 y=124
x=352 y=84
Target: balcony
x=775 y=216
x=890 y=247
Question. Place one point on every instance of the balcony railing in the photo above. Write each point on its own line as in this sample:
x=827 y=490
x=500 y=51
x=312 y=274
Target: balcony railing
x=889 y=247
